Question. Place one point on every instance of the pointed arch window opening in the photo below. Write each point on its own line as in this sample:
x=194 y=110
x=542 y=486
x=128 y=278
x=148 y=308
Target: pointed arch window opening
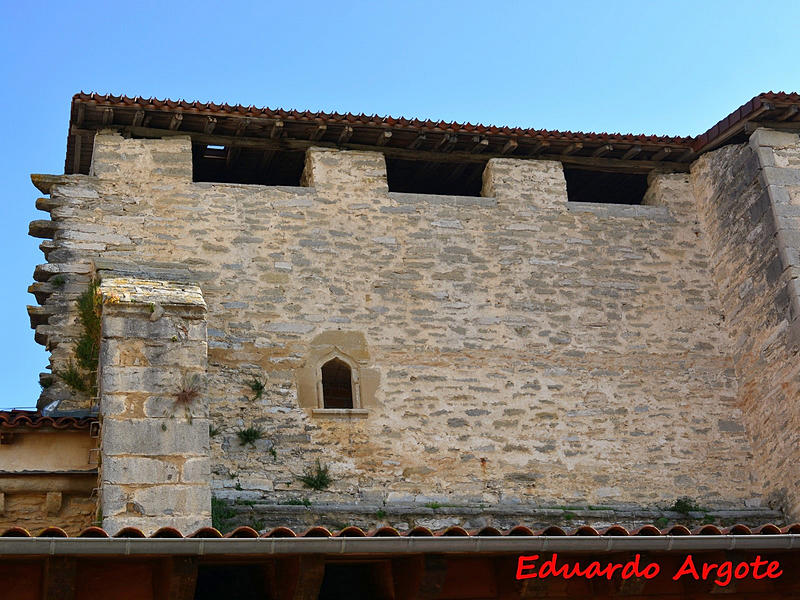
x=338 y=384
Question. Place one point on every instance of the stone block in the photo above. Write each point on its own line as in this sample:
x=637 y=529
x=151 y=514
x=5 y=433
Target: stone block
x=134 y=469
x=780 y=176
x=151 y=380
x=172 y=499
x=196 y=470
x=155 y=437
x=772 y=138
x=166 y=328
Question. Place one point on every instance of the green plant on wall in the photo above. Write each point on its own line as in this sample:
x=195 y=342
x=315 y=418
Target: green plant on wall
x=83 y=377
x=250 y=436
x=257 y=387
x=316 y=478
x=221 y=512
x=684 y=505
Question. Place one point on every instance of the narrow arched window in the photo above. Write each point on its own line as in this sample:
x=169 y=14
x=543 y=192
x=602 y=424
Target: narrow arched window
x=337 y=384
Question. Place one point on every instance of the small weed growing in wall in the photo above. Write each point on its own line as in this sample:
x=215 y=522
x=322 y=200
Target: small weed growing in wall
x=684 y=505
x=213 y=431
x=273 y=453
x=189 y=392
x=58 y=281
x=250 y=435
x=257 y=388
x=380 y=514
x=433 y=505
x=661 y=522
x=220 y=513
x=317 y=478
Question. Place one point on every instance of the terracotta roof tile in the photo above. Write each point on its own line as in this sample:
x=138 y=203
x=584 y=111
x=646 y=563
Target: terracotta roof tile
x=212 y=108
x=31 y=419
x=454 y=531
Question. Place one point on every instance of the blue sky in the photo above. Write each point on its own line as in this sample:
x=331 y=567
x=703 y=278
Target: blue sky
x=668 y=67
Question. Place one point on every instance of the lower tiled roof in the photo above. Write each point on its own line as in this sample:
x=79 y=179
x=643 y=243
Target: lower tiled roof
x=321 y=532
x=31 y=419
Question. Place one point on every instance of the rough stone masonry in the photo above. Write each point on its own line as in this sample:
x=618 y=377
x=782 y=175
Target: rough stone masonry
x=518 y=357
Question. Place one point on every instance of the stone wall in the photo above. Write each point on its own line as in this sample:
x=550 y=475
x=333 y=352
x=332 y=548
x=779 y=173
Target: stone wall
x=523 y=350
x=749 y=199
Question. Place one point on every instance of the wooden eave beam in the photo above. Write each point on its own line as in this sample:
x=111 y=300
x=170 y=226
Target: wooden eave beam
x=383 y=137
x=175 y=122
x=241 y=126
x=447 y=143
x=632 y=151
x=602 y=150
x=299 y=145
x=317 y=132
x=789 y=113
x=510 y=146
x=571 y=149
x=345 y=135
x=108 y=116
x=480 y=144
x=138 y=118
x=661 y=154
x=417 y=142
x=276 y=131
x=211 y=123
x=538 y=146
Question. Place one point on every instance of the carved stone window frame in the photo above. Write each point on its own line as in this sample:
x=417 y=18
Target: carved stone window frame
x=351 y=348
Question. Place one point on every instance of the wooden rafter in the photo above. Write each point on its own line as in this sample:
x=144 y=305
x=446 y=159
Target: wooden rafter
x=603 y=150
x=383 y=137
x=317 y=132
x=345 y=135
x=175 y=122
x=572 y=148
x=138 y=118
x=661 y=154
x=417 y=142
x=632 y=151
x=510 y=146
